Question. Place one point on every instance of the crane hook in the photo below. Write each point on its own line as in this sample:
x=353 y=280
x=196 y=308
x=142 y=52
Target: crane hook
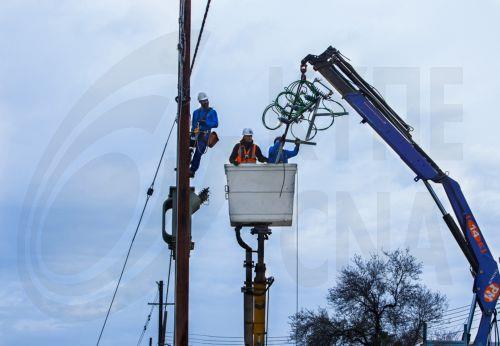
x=303 y=70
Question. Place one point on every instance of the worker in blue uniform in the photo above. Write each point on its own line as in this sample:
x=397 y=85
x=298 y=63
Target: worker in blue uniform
x=285 y=154
x=204 y=120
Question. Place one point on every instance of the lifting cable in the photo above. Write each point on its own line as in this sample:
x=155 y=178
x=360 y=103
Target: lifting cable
x=297 y=253
x=149 y=193
x=200 y=34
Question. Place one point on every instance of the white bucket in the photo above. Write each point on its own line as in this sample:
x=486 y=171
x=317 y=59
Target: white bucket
x=260 y=194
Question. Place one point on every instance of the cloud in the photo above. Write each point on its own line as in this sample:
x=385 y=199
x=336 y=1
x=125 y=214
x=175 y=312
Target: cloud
x=36 y=326
x=67 y=48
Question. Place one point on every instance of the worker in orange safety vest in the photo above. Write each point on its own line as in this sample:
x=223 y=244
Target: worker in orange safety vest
x=246 y=151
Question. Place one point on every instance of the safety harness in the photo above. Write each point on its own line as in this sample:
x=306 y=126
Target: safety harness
x=247 y=156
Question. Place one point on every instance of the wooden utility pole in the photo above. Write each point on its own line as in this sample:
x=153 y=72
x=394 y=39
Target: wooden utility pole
x=161 y=338
x=183 y=238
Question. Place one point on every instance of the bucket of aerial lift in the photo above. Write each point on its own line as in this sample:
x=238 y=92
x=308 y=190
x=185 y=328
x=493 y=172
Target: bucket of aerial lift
x=260 y=194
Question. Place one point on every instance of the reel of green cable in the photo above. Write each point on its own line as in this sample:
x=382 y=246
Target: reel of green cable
x=303 y=102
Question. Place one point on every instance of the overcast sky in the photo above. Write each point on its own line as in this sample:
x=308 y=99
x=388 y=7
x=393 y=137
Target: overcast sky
x=87 y=99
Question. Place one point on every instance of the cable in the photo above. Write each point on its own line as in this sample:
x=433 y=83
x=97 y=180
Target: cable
x=194 y=341
x=200 y=34
x=284 y=177
x=148 y=196
x=123 y=269
x=163 y=153
x=227 y=337
x=267 y=312
x=497 y=334
x=452 y=325
x=166 y=296
x=450 y=320
x=454 y=313
x=147 y=320
x=460 y=307
x=169 y=271
x=297 y=253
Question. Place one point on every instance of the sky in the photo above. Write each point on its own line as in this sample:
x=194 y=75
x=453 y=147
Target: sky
x=87 y=100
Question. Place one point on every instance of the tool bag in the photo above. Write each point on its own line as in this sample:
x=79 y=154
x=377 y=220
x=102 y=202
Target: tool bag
x=212 y=139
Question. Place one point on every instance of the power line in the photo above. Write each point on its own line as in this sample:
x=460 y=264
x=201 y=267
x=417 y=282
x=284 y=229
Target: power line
x=200 y=34
x=195 y=341
x=166 y=295
x=229 y=342
x=147 y=321
x=169 y=274
x=455 y=314
x=123 y=268
x=442 y=324
x=460 y=307
x=227 y=337
x=207 y=339
x=148 y=196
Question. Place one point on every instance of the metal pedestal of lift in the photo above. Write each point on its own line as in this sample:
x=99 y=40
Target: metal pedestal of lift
x=254 y=292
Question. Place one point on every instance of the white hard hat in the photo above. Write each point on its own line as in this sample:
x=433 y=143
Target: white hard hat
x=247 y=132
x=202 y=96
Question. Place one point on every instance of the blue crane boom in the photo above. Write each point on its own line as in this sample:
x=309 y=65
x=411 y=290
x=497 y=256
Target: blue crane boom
x=397 y=134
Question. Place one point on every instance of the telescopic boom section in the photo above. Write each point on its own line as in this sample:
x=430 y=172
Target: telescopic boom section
x=374 y=110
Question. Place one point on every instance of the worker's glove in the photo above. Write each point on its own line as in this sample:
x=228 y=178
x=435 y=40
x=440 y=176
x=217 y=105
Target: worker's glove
x=282 y=139
x=297 y=141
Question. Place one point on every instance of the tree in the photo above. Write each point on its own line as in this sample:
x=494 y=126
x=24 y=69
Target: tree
x=377 y=301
